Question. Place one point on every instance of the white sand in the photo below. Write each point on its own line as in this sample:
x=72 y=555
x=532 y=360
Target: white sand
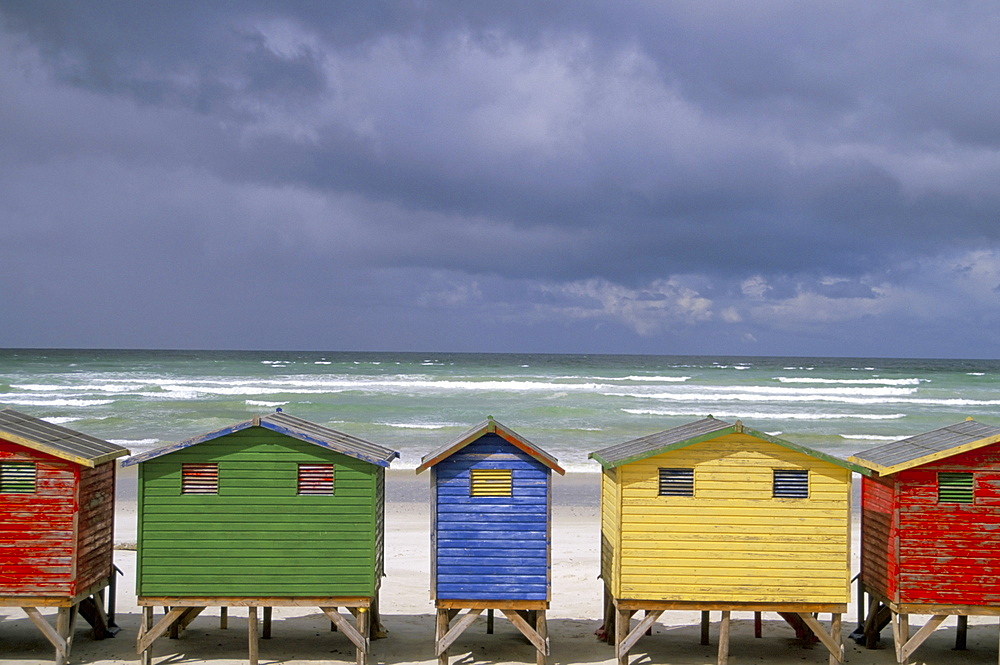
x=304 y=636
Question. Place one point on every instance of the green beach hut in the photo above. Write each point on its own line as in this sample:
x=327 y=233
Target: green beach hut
x=273 y=511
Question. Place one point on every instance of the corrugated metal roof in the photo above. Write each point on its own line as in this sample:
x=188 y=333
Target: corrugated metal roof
x=490 y=425
x=647 y=446
x=289 y=425
x=696 y=432
x=56 y=440
x=927 y=447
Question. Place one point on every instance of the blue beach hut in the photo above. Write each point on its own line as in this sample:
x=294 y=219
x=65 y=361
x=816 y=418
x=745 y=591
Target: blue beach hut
x=490 y=533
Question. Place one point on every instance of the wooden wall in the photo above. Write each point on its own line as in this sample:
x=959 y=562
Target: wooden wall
x=96 y=525
x=37 y=533
x=879 y=532
x=610 y=528
x=257 y=536
x=732 y=541
x=491 y=548
x=949 y=552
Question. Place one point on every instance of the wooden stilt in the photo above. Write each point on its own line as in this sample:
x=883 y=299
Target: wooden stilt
x=724 y=638
x=609 y=617
x=363 y=629
x=758 y=624
x=541 y=627
x=705 y=620
x=146 y=657
x=623 y=622
x=440 y=630
x=489 y=622
x=838 y=640
x=267 y=623
x=961 y=632
x=223 y=617
x=254 y=646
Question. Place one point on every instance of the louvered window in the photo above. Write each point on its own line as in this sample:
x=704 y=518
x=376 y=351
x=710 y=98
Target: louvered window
x=791 y=484
x=18 y=478
x=954 y=487
x=491 y=482
x=676 y=482
x=199 y=478
x=316 y=479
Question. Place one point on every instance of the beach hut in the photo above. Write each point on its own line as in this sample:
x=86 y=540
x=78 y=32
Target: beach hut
x=490 y=533
x=57 y=508
x=714 y=516
x=273 y=511
x=930 y=530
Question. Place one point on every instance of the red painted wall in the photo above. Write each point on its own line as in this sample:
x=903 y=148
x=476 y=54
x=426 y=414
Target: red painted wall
x=949 y=553
x=879 y=564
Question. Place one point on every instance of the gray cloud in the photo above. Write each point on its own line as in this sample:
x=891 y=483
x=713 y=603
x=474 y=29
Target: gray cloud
x=713 y=177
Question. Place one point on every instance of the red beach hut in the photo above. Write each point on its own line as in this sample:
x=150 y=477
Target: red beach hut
x=930 y=530
x=57 y=492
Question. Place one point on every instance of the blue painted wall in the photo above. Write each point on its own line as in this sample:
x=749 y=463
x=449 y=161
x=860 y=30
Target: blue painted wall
x=491 y=548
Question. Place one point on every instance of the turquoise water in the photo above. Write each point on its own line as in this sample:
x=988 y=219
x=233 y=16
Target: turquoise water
x=567 y=404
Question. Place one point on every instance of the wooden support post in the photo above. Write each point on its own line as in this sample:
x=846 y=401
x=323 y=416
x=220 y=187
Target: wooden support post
x=146 y=657
x=758 y=624
x=830 y=640
x=900 y=633
x=724 y=638
x=910 y=644
x=961 y=633
x=623 y=622
x=53 y=635
x=363 y=629
x=65 y=624
x=489 y=621
x=223 y=617
x=609 y=618
x=267 y=623
x=705 y=620
x=252 y=634
x=440 y=630
x=836 y=633
x=871 y=630
x=541 y=627
x=649 y=631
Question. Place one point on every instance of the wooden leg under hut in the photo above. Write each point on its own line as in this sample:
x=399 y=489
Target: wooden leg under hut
x=61 y=637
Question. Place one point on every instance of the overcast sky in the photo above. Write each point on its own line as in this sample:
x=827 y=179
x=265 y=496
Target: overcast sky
x=766 y=178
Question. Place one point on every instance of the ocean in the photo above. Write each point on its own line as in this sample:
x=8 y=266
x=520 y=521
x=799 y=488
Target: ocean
x=569 y=405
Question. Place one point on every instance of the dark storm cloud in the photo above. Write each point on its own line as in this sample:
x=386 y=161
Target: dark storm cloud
x=622 y=173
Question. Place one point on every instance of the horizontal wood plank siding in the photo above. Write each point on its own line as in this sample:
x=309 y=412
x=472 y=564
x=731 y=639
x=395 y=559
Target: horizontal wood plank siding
x=610 y=531
x=257 y=536
x=96 y=525
x=491 y=548
x=38 y=537
x=879 y=532
x=734 y=541
x=949 y=552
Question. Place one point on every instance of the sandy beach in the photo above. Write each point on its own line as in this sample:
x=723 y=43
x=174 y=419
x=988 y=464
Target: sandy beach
x=303 y=635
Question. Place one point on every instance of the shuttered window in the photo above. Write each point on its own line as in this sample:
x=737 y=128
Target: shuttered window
x=491 y=482
x=18 y=478
x=791 y=484
x=199 y=478
x=316 y=479
x=676 y=482
x=954 y=487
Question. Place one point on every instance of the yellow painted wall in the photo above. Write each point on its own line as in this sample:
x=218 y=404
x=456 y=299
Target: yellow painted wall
x=610 y=514
x=732 y=541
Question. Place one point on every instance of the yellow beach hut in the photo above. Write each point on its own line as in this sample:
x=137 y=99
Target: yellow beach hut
x=714 y=516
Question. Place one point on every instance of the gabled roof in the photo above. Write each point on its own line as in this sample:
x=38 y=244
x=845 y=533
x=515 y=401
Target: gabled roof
x=489 y=426
x=928 y=447
x=56 y=440
x=696 y=432
x=291 y=426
